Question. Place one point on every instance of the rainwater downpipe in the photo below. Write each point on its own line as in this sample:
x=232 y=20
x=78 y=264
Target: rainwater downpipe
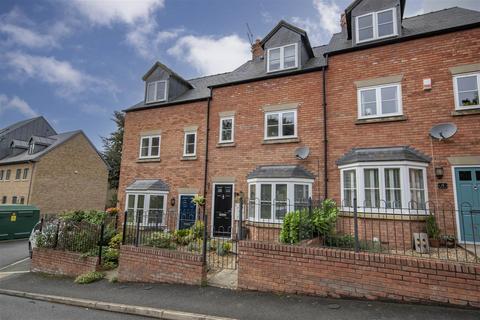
x=325 y=139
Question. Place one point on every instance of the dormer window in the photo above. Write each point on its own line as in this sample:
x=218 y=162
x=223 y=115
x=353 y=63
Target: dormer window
x=376 y=25
x=156 y=91
x=31 y=149
x=282 y=58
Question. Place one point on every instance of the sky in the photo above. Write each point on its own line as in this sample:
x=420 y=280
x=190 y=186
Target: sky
x=77 y=61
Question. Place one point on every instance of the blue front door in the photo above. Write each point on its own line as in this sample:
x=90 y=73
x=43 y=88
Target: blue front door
x=188 y=212
x=468 y=200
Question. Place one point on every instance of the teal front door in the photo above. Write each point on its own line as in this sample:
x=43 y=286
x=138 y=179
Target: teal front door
x=468 y=201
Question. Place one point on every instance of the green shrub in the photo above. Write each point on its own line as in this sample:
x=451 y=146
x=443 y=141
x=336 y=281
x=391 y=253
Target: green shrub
x=46 y=238
x=92 y=216
x=224 y=248
x=109 y=265
x=296 y=227
x=116 y=241
x=111 y=255
x=432 y=228
x=324 y=218
x=212 y=245
x=197 y=229
x=89 y=277
x=341 y=241
x=183 y=237
x=161 y=240
x=195 y=245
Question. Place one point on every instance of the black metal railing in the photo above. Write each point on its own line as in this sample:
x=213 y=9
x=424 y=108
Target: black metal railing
x=83 y=237
x=421 y=230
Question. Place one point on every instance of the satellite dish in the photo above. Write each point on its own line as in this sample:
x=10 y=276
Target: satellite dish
x=443 y=131
x=302 y=153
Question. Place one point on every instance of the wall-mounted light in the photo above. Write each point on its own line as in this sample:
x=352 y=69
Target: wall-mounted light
x=172 y=202
x=439 y=172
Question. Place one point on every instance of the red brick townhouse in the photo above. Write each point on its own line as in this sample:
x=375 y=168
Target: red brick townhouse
x=388 y=81
x=257 y=116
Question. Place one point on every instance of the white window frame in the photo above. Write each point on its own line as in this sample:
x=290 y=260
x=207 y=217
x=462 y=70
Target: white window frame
x=156 y=91
x=280 y=124
x=150 y=138
x=146 y=209
x=220 y=137
x=185 y=154
x=458 y=106
x=273 y=181
x=404 y=167
x=31 y=148
x=378 y=101
x=282 y=57
x=375 y=25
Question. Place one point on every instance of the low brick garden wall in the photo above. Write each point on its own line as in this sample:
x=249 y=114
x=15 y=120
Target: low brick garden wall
x=143 y=264
x=61 y=262
x=336 y=273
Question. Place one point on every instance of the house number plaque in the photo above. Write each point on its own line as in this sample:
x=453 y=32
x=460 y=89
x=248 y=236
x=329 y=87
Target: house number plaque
x=442 y=186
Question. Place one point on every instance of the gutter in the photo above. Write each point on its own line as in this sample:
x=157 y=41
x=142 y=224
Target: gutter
x=207 y=130
x=165 y=104
x=403 y=39
x=325 y=131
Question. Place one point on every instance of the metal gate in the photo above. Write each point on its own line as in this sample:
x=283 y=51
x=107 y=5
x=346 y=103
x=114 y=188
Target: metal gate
x=222 y=247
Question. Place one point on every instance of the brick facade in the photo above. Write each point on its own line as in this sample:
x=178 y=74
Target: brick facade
x=13 y=187
x=63 y=263
x=141 y=264
x=336 y=273
x=70 y=177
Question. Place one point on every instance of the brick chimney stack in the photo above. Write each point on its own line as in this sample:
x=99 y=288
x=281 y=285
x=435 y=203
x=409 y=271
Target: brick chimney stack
x=257 y=50
x=343 y=20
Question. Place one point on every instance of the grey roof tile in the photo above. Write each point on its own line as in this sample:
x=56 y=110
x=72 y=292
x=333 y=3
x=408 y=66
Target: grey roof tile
x=16 y=125
x=56 y=140
x=280 y=171
x=415 y=26
x=148 y=185
x=400 y=153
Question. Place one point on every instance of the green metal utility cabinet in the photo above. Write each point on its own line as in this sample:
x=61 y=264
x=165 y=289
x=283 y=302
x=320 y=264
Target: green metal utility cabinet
x=17 y=221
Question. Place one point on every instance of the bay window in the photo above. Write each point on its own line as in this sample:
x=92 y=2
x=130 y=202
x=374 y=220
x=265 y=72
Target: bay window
x=147 y=208
x=271 y=199
x=392 y=186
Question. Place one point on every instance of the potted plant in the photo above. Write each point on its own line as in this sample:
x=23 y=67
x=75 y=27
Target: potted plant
x=447 y=240
x=433 y=231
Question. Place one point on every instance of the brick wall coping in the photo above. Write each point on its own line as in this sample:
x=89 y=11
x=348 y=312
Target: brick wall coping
x=412 y=217
x=174 y=254
x=461 y=267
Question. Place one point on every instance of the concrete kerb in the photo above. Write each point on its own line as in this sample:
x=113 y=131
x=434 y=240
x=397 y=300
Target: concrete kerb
x=113 y=307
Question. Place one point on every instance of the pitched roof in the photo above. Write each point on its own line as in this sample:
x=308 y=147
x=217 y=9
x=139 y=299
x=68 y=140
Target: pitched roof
x=401 y=153
x=148 y=185
x=168 y=70
x=249 y=71
x=285 y=24
x=421 y=25
x=280 y=171
x=17 y=125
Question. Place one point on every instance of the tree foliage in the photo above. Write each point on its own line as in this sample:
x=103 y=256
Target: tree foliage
x=112 y=149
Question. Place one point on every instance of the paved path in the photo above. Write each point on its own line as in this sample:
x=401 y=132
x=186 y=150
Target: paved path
x=12 y=251
x=227 y=303
x=13 y=308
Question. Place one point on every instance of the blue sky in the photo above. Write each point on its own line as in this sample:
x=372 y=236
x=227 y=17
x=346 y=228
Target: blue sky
x=77 y=61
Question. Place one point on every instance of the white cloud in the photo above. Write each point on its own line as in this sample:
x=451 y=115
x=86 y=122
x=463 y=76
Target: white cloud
x=20 y=30
x=17 y=104
x=106 y=12
x=66 y=79
x=209 y=55
x=93 y=109
x=320 y=31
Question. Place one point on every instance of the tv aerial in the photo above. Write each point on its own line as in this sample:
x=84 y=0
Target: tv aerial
x=302 y=153
x=443 y=131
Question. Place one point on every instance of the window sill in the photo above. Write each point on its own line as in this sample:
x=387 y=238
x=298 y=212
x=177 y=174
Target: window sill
x=148 y=160
x=467 y=112
x=379 y=120
x=188 y=158
x=285 y=140
x=259 y=224
x=226 y=144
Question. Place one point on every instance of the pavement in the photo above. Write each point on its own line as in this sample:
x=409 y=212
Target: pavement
x=228 y=303
x=12 y=251
x=13 y=308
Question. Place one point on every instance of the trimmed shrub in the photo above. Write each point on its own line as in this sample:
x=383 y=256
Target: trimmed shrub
x=161 y=240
